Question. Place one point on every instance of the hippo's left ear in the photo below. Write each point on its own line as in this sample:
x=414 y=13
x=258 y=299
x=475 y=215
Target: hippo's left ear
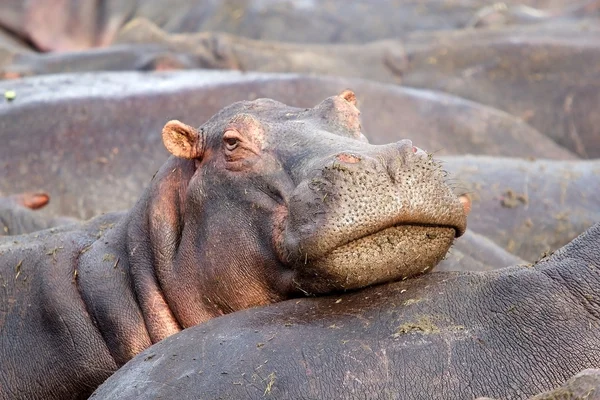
x=32 y=200
x=349 y=96
x=183 y=140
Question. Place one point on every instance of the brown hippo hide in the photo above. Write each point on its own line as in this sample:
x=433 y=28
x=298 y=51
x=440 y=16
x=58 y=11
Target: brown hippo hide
x=545 y=74
x=104 y=147
x=529 y=207
x=507 y=334
x=261 y=203
x=78 y=24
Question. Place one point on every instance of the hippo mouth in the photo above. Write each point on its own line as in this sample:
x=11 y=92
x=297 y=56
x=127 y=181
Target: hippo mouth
x=393 y=253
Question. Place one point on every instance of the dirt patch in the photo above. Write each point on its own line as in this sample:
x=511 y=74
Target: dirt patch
x=512 y=199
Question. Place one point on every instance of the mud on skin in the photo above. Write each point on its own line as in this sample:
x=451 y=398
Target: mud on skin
x=261 y=203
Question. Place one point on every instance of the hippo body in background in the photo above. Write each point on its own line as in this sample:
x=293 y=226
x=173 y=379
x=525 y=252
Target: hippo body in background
x=545 y=75
x=528 y=207
x=103 y=150
x=475 y=252
x=17 y=215
x=79 y=24
x=511 y=333
x=262 y=203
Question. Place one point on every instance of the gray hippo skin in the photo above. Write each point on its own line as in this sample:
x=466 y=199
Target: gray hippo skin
x=540 y=74
x=263 y=202
x=528 y=207
x=88 y=174
x=583 y=386
x=17 y=215
x=507 y=334
x=475 y=252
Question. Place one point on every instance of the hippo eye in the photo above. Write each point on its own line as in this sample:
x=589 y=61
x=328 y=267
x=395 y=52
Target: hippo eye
x=231 y=141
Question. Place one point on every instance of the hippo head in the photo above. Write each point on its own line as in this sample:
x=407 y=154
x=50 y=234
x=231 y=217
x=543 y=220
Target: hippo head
x=281 y=201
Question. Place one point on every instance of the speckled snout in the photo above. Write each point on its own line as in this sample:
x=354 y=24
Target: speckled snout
x=357 y=194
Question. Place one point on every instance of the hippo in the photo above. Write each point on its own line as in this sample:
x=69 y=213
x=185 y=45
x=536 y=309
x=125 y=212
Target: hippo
x=507 y=334
x=81 y=24
x=17 y=216
x=261 y=203
x=528 y=206
x=551 y=87
x=500 y=14
x=126 y=112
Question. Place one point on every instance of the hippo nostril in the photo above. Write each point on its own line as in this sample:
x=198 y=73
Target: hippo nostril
x=348 y=158
x=418 y=151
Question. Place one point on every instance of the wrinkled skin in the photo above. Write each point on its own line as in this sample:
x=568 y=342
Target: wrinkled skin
x=583 y=386
x=511 y=333
x=528 y=207
x=545 y=74
x=61 y=25
x=263 y=202
x=17 y=216
x=101 y=153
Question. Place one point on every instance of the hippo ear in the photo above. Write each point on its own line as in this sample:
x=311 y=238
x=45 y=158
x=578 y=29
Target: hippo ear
x=349 y=96
x=182 y=140
x=33 y=200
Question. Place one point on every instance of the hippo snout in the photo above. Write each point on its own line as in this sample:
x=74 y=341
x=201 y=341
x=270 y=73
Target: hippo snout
x=389 y=202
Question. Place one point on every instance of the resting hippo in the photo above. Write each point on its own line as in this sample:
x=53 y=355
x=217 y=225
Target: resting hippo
x=263 y=202
x=504 y=334
x=17 y=215
x=126 y=113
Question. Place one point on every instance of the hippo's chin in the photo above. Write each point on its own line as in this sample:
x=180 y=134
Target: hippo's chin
x=394 y=253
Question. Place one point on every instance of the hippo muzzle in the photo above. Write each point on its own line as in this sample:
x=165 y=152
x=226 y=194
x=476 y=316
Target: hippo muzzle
x=369 y=216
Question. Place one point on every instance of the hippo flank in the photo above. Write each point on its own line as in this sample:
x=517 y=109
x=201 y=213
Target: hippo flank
x=262 y=203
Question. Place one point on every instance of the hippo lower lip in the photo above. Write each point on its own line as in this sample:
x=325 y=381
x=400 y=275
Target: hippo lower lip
x=458 y=231
x=376 y=255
